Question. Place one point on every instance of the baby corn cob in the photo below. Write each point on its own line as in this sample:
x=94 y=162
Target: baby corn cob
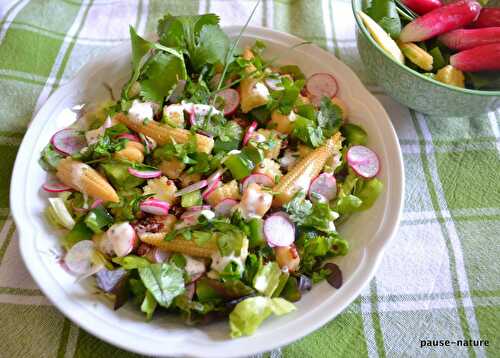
x=85 y=179
x=304 y=171
x=133 y=151
x=253 y=93
x=163 y=134
x=181 y=245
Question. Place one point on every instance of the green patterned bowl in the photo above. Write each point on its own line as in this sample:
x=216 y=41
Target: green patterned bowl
x=414 y=90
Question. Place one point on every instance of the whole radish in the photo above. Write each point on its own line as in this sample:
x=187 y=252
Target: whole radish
x=489 y=17
x=464 y=39
x=422 y=6
x=443 y=19
x=481 y=58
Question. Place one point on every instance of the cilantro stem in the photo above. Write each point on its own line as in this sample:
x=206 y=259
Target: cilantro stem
x=235 y=43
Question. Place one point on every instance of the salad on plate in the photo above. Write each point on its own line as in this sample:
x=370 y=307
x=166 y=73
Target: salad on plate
x=213 y=187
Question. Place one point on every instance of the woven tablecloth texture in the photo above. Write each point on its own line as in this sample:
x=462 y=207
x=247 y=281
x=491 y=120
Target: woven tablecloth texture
x=440 y=276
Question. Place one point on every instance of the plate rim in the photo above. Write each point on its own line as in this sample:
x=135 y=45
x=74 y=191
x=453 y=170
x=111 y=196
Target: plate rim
x=247 y=346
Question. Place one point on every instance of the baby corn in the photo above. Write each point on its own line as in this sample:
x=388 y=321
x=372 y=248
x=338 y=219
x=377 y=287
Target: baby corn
x=85 y=179
x=304 y=171
x=181 y=245
x=163 y=134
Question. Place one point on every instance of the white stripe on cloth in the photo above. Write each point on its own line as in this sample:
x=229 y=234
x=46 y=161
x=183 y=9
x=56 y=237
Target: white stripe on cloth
x=60 y=56
x=368 y=329
x=72 y=341
x=434 y=304
x=5 y=230
x=268 y=5
x=232 y=12
x=12 y=16
x=455 y=147
x=493 y=117
x=27 y=76
x=327 y=24
x=454 y=239
x=141 y=27
x=431 y=215
x=58 y=36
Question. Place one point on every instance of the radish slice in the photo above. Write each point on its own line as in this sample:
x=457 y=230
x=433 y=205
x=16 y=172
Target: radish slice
x=213 y=183
x=55 y=187
x=225 y=207
x=157 y=255
x=322 y=84
x=261 y=179
x=155 y=207
x=279 y=230
x=274 y=84
x=198 y=208
x=249 y=132
x=363 y=161
x=324 y=185
x=96 y=203
x=79 y=259
x=144 y=174
x=193 y=187
x=123 y=238
x=68 y=141
x=231 y=100
x=128 y=136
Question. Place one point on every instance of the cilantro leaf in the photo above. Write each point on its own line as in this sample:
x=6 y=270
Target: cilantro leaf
x=212 y=48
x=329 y=117
x=163 y=72
x=307 y=132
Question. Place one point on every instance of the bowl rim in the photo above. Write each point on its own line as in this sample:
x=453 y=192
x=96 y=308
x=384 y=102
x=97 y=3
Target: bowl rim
x=316 y=318
x=356 y=8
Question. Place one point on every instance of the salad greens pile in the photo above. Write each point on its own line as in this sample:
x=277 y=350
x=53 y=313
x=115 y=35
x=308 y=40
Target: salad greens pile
x=189 y=195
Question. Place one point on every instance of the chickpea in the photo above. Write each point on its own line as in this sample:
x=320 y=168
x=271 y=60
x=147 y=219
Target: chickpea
x=287 y=256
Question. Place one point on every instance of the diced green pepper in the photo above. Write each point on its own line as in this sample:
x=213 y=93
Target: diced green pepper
x=118 y=175
x=354 y=134
x=191 y=199
x=97 y=219
x=253 y=153
x=79 y=232
x=256 y=234
x=239 y=166
x=291 y=290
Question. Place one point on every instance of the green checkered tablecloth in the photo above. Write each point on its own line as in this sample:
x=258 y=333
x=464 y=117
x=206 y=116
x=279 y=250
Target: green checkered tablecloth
x=440 y=277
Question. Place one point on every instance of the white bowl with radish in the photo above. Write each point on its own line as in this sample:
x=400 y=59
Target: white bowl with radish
x=368 y=232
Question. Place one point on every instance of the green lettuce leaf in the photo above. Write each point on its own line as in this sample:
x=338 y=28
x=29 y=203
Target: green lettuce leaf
x=131 y=262
x=164 y=281
x=149 y=304
x=249 y=314
x=267 y=278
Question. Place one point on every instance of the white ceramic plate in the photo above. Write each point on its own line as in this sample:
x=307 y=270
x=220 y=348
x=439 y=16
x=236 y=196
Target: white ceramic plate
x=367 y=232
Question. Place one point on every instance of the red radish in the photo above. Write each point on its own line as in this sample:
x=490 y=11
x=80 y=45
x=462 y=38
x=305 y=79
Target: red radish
x=96 y=203
x=123 y=238
x=422 y=6
x=466 y=39
x=443 y=19
x=144 y=249
x=149 y=143
x=55 y=187
x=128 y=136
x=213 y=183
x=261 y=179
x=320 y=85
x=279 y=230
x=198 y=208
x=363 y=161
x=157 y=255
x=68 y=141
x=482 y=58
x=224 y=207
x=144 y=174
x=155 y=207
x=79 y=258
x=231 y=100
x=489 y=17
x=324 y=185
x=193 y=187
x=274 y=84
x=250 y=131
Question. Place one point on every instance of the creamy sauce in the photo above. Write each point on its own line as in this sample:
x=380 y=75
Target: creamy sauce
x=193 y=267
x=77 y=172
x=254 y=203
x=260 y=90
x=219 y=262
x=122 y=237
